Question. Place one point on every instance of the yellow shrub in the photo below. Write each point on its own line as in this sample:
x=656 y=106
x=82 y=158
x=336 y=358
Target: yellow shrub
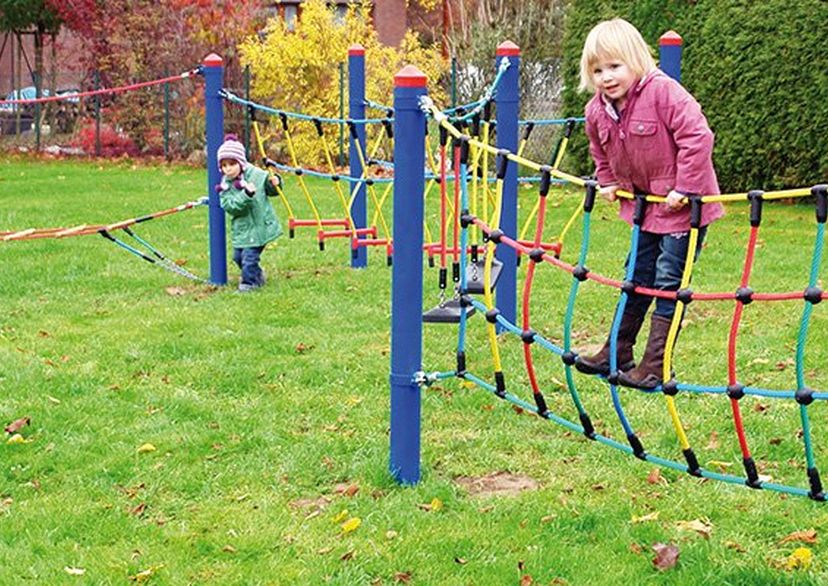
x=299 y=71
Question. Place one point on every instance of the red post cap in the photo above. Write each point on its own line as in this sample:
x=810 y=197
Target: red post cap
x=670 y=38
x=507 y=49
x=410 y=76
x=213 y=60
x=356 y=49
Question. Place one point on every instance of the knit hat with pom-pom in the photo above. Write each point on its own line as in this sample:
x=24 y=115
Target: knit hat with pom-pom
x=231 y=148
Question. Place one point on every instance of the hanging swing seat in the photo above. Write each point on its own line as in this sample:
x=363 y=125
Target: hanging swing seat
x=448 y=312
x=474 y=275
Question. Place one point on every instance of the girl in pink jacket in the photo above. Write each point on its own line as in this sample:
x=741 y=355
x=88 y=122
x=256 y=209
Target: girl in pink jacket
x=647 y=135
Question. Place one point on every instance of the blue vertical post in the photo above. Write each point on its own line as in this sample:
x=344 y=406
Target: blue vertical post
x=507 y=101
x=407 y=274
x=356 y=111
x=669 y=53
x=214 y=112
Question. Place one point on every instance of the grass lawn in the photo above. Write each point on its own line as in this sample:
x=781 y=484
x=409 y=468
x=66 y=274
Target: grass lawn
x=186 y=434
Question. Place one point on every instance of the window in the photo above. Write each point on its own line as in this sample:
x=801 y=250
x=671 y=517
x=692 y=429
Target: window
x=291 y=12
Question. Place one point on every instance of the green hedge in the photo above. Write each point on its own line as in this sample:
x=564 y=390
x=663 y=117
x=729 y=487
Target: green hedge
x=759 y=71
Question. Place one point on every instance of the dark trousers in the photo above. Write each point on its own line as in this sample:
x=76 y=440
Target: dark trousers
x=659 y=264
x=247 y=259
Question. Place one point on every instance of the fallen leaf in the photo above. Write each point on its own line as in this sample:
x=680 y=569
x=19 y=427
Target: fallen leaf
x=807 y=536
x=175 y=291
x=800 y=558
x=16 y=439
x=391 y=534
x=635 y=548
x=351 y=525
x=17 y=425
x=348 y=555
x=735 y=546
x=341 y=516
x=138 y=510
x=228 y=548
x=654 y=477
x=74 y=571
x=722 y=466
x=700 y=526
x=666 y=556
x=526 y=580
x=146 y=448
x=324 y=550
x=644 y=518
x=346 y=489
x=761 y=407
x=461 y=561
x=402 y=577
x=713 y=440
x=146 y=574
x=435 y=505
x=53 y=399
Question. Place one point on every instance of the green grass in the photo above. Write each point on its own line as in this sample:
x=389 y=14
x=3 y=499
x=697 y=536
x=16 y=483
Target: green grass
x=260 y=405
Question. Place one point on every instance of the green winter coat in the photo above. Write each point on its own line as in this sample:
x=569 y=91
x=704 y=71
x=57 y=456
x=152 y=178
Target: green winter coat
x=254 y=223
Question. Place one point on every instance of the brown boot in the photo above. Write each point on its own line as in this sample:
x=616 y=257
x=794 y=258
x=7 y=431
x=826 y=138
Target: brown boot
x=600 y=363
x=649 y=372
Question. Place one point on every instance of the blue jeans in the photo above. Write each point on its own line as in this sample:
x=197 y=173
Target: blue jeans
x=659 y=264
x=247 y=259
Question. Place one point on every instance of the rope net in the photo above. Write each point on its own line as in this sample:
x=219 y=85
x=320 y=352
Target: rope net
x=579 y=274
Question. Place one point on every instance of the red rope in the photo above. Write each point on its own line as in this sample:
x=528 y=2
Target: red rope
x=113 y=90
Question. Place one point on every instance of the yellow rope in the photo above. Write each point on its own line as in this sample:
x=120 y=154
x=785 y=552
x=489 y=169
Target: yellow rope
x=301 y=180
x=263 y=155
x=337 y=186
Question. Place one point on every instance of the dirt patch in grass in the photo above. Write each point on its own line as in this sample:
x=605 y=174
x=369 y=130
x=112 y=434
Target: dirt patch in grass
x=497 y=484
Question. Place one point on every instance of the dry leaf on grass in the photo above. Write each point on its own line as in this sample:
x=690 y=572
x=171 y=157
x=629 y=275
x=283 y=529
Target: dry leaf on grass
x=701 y=526
x=351 y=525
x=807 y=536
x=666 y=556
x=74 y=571
x=801 y=558
x=402 y=577
x=17 y=425
x=644 y=518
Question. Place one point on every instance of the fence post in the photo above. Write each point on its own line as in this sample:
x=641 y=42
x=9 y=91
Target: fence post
x=356 y=111
x=97 y=114
x=508 y=109
x=167 y=155
x=247 y=121
x=214 y=112
x=669 y=49
x=407 y=274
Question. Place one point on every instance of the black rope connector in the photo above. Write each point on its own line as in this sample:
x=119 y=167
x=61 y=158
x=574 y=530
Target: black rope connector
x=298 y=172
x=804 y=396
x=628 y=287
x=527 y=131
x=318 y=124
x=443 y=278
x=543 y=410
x=536 y=254
x=586 y=423
x=495 y=236
x=466 y=301
x=283 y=117
x=389 y=129
x=455 y=272
x=813 y=295
x=502 y=162
x=545 y=180
x=491 y=315
x=335 y=178
x=353 y=130
x=369 y=181
x=695 y=211
x=640 y=209
x=464 y=149
x=693 y=467
x=685 y=295
x=569 y=127
x=744 y=295
x=500 y=385
x=816 y=485
x=569 y=357
x=487 y=110
x=528 y=336
x=638 y=449
x=752 y=474
x=475 y=124
x=590 y=189
x=461 y=365
x=612 y=378
x=820 y=192
x=756 y=199
x=736 y=391
x=466 y=219
x=580 y=272
x=670 y=388
x=443 y=136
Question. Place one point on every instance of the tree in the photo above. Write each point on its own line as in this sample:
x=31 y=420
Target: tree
x=23 y=15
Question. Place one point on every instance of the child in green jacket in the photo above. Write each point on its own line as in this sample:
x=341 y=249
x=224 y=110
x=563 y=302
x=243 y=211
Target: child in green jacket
x=243 y=193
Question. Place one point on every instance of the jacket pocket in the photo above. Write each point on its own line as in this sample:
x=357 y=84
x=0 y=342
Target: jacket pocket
x=662 y=185
x=643 y=134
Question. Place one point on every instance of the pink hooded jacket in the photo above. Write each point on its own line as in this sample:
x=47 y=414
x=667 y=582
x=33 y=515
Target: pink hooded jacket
x=660 y=142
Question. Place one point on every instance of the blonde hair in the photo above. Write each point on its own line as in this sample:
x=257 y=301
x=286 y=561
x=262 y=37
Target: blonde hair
x=615 y=39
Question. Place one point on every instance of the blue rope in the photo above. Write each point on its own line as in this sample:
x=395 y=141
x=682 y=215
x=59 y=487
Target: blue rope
x=550 y=121
x=231 y=97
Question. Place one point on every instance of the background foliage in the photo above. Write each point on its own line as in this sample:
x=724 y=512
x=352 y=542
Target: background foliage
x=299 y=71
x=754 y=67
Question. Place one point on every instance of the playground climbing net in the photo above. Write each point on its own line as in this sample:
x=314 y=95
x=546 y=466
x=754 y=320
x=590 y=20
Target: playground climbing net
x=810 y=295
